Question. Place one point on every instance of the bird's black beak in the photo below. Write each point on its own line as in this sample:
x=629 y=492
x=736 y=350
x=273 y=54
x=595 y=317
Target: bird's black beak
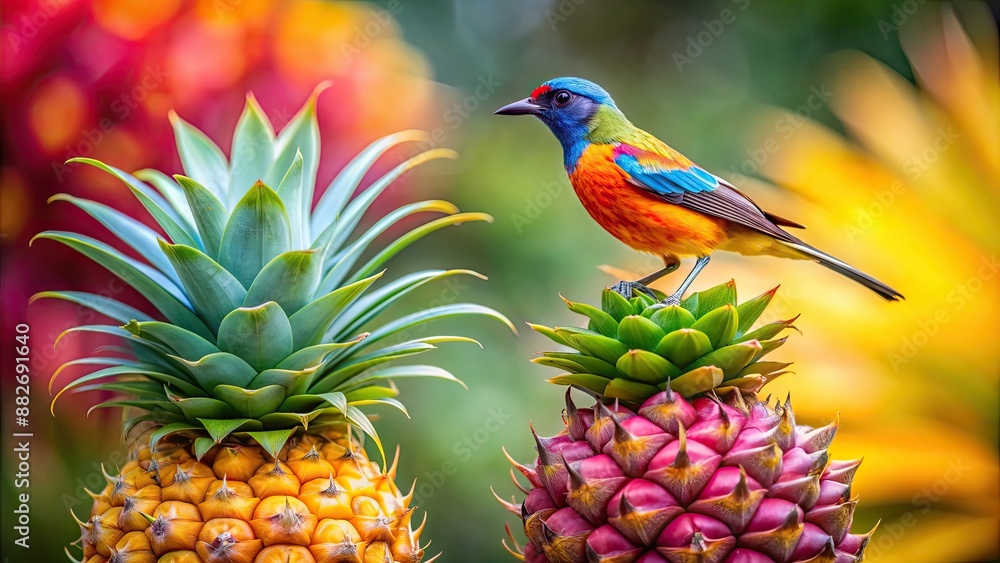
x=521 y=107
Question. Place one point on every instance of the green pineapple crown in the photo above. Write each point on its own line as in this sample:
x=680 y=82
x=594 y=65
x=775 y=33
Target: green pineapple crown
x=633 y=348
x=265 y=298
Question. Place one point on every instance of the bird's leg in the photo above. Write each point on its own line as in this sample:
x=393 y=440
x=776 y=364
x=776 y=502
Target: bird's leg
x=675 y=297
x=628 y=288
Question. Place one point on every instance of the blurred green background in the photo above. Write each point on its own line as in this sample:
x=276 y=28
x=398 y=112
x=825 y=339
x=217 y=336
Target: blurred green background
x=885 y=119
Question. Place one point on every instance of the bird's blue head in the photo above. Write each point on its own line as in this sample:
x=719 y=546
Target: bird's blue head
x=571 y=107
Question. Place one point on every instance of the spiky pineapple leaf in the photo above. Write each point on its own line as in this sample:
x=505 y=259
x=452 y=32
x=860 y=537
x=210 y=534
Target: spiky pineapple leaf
x=337 y=194
x=158 y=207
x=220 y=429
x=696 y=381
x=423 y=318
x=627 y=390
x=672 y=317
x=200 y=157
x=645 y=366
x=172 y=193
x=337 y=233
x=219 y=368
x=111 y=308
x=589 y=381
x=638 y=332
x=133 y=233
x=290 y=280
x=213 y=291
x=251 y=403
x=599 y=320
x=291 y=190
x=257 y=231
x=253 y=150
x=310 y=323
x=369 y=306
x=168 y=429
x=301 y=134
x=261 y=335
x=272 y=440
x=616 y=305
x=339 y=265
x=182 y=342
x=751 y=310
x=352 y=367
x=209 y=213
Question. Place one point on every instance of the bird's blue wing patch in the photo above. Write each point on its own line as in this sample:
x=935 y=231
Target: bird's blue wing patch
x=676 y=181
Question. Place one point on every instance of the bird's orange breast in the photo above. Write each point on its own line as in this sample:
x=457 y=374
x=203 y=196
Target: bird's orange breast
x=641 y=220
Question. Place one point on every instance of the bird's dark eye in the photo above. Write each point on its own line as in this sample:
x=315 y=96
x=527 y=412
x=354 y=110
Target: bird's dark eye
x=562 y=98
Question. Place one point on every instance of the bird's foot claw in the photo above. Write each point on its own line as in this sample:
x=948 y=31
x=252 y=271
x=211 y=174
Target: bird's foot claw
x=628 y=289
x=672 y=299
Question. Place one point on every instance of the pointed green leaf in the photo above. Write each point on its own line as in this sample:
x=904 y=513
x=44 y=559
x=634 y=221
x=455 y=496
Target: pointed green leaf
x=615 y=305
x=312 y=356
x=599 y=320
x=291 y=190
x=272 y=440
x=172 y=193
x=219 y=429
x=219 y=368
x=422 y=318
x=164 y=431
x=393 y=248
x=768 y=346
x=183 y=342
x=592 y=382
x=629 y=391
x=683 y=346
x=346 y=222
x=607 y=349
x=672 y=317
x=251 y=403
x=355 y=366
x=111 y=308
x=301 y=134
x=135 y=273
x=331 y=203
x=591 y=364
x=715 y=297
x=195 y=408
x=403 y=372
x=551 y=333
x=253 y=150
x=202 y=446
x=339 y=265
x=138 y=276
x=648 y=367
x=128 y=230
x=730 y=359
x=209 y=213
x=751 y=310
x=290 y=280
x=767 y=331
x=638 y=332
x=261 y=335
x=370 y=393
x=213 y=291
x=165 y=216
x=295 y=382
x=311 y=322
x=257 y=231
x=719 y=325
x=367 y=307
x=358 y=418
x=697 y=381
x=763 y=368
x=201 y=158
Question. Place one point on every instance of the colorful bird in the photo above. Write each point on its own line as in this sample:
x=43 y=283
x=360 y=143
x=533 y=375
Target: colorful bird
x=654 y=199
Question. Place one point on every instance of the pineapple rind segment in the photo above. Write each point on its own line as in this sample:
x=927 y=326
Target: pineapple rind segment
x=633 y=348
x=320 y=496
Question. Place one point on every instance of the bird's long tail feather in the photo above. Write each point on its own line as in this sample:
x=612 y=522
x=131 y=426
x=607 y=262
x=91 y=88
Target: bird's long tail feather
x=886 y=292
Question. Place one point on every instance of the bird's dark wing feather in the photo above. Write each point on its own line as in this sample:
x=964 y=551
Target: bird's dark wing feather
x=729 y=204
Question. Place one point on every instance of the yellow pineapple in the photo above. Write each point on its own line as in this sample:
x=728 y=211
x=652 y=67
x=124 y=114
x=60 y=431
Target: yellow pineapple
x=243 y=396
